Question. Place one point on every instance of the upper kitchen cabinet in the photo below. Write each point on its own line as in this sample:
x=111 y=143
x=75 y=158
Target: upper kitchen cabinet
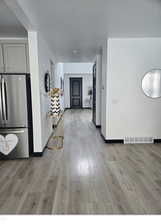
x=1 y=60
x=15 y=58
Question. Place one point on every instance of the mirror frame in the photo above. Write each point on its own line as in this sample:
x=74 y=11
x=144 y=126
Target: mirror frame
x=152 y=98
x=47 y=82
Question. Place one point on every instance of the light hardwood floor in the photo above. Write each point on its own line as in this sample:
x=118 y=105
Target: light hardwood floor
x=86 y=177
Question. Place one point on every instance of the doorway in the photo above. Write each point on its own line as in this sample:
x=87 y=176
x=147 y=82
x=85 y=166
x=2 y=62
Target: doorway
x=75 y=93
x=94 y=93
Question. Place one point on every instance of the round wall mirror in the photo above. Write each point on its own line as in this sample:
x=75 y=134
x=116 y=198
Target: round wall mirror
x=151 y=83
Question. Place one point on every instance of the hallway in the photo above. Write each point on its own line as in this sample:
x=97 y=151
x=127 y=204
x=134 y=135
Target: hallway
x=86 y=177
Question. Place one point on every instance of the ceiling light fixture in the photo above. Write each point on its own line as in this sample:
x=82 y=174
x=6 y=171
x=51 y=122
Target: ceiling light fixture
x=76 y=51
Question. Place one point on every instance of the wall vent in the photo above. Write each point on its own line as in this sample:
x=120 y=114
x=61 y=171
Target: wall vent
x=138 y=140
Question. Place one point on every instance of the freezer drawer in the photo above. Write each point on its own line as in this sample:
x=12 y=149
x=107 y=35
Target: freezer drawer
x=14 y=143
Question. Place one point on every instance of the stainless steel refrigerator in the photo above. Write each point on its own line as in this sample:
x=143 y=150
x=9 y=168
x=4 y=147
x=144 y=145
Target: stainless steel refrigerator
x=15 y=116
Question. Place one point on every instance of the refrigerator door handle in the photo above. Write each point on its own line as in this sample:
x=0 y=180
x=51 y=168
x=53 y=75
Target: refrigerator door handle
x=1 y=106
x=4 y=98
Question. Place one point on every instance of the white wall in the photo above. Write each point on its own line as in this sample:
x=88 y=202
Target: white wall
x=44 y=57
x=59 y=73
x=39 y=56
x=78 y=68
x=87 y=83
x=104 y=101
x=129 y=111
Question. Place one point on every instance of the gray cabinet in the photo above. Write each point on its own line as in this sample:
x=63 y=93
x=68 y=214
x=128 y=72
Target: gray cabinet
x=13 y=58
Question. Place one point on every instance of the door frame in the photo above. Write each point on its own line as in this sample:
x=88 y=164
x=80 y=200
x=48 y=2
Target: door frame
x=94 y=103
x=81 y=82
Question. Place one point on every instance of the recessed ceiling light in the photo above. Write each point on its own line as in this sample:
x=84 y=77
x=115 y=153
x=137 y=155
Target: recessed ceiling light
x=76 y=51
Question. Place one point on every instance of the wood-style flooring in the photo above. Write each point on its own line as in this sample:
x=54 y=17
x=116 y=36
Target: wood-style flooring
x=86 y=177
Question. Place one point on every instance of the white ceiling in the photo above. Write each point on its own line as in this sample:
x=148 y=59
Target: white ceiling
x=9 y=24
x=83 y=25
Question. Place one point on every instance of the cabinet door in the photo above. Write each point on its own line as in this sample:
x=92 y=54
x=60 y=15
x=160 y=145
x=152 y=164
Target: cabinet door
x=15 y=58
x=1 y=60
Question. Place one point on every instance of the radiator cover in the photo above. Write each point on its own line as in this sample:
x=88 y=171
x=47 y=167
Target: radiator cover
x=138 y=140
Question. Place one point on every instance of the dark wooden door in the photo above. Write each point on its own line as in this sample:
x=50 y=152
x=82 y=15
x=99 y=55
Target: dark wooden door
x=76 y=93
